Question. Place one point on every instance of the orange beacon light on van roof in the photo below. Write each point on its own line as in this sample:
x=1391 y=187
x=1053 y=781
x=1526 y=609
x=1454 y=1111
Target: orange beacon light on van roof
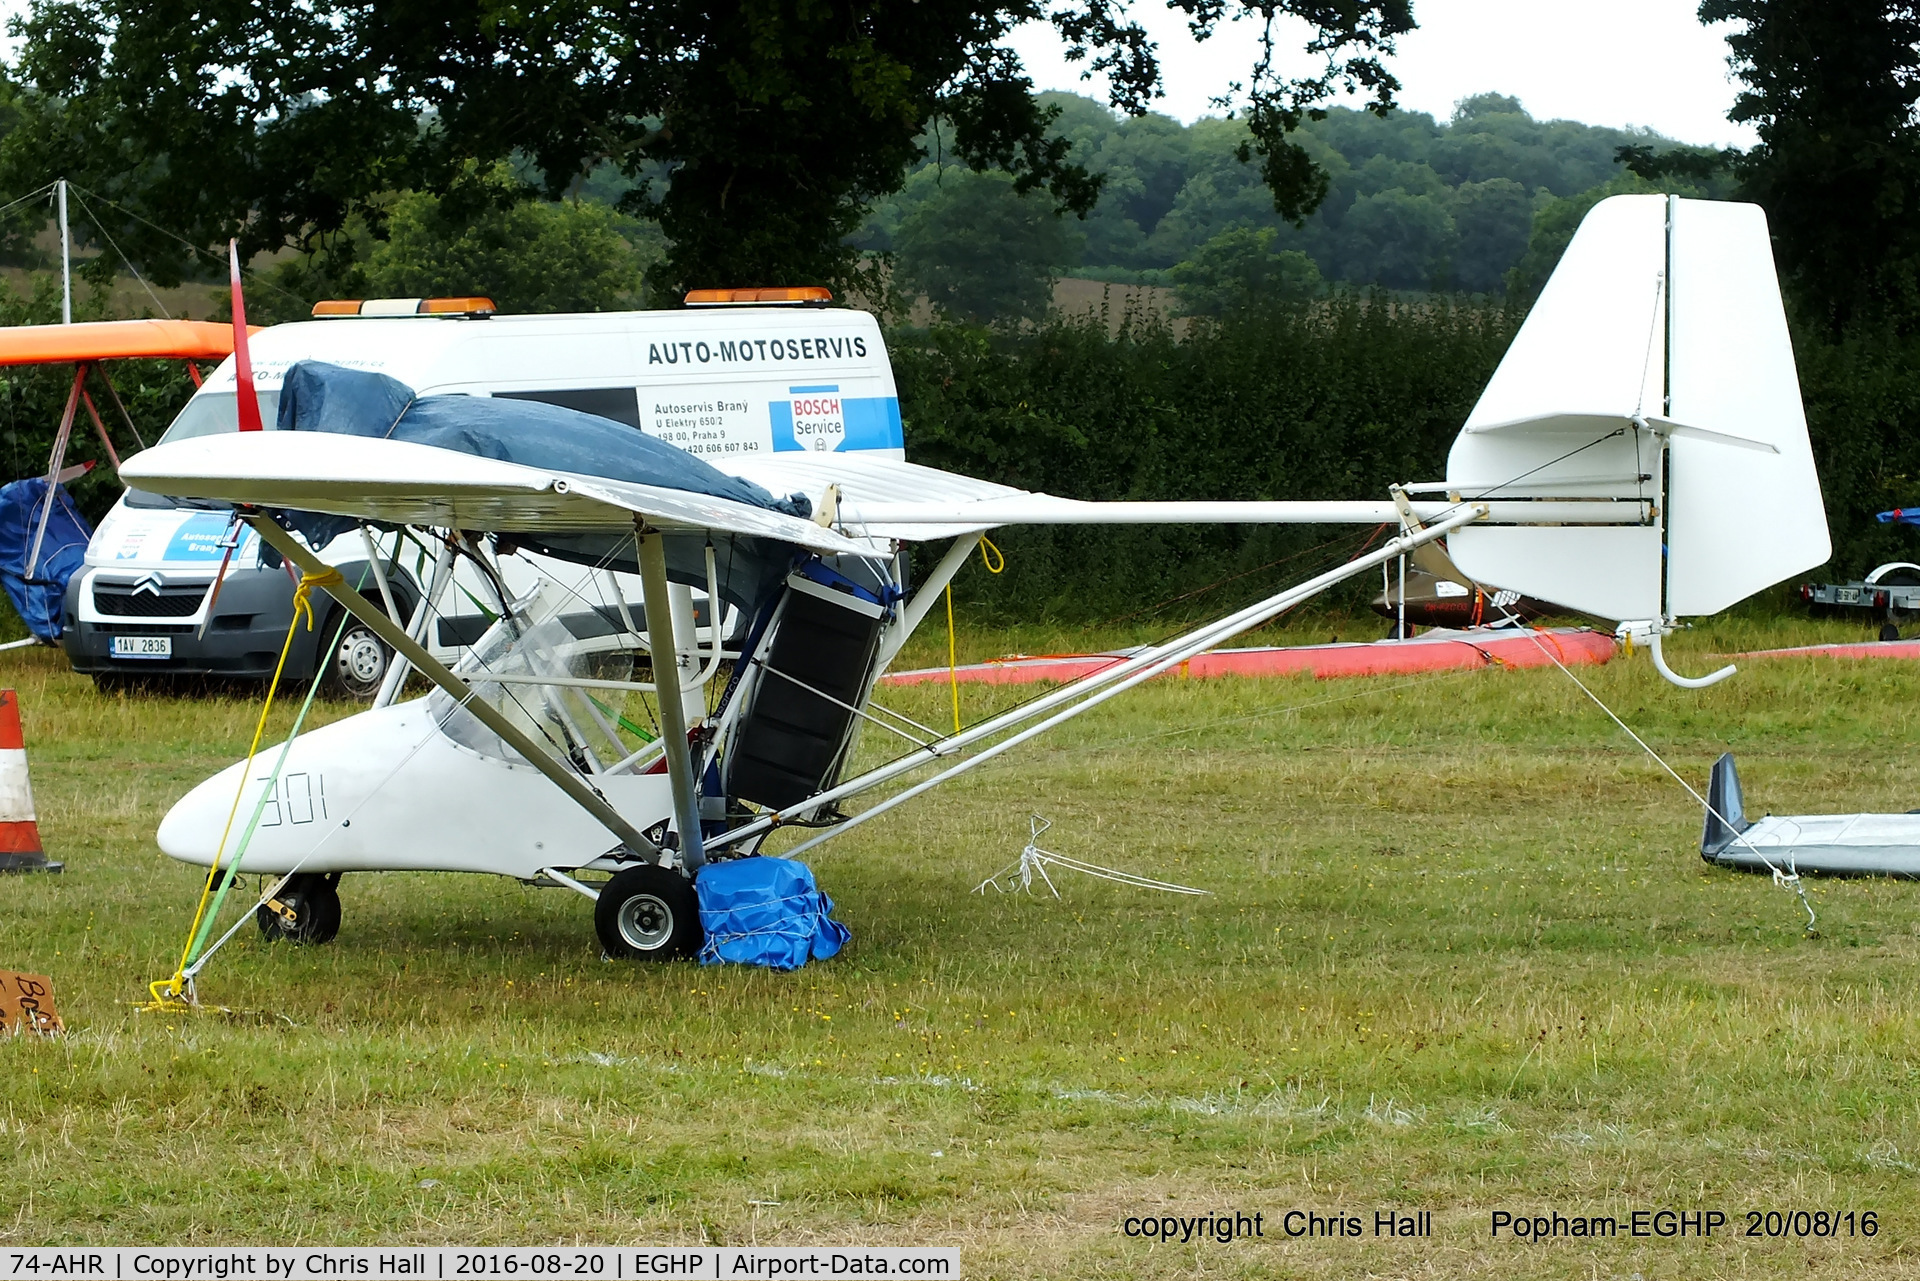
x=335 y=308
x=780 y=296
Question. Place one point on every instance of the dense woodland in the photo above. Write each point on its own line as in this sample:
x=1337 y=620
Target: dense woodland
x=1412 y=203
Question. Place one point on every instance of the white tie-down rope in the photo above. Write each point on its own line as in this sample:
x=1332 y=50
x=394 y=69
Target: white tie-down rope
x=1033 y=861
x=1787 y=880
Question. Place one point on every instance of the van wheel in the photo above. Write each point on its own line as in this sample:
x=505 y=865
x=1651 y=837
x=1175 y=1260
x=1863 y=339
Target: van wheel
x=313 y=901
x=357 y=665
x=648 y=914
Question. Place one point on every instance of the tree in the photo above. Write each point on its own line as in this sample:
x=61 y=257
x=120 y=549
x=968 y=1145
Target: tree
x=980 y=249
x=1240 y=268
x=527 y=256
x=1832 y=90
x=1494 y=220
x=282 y=121
x=1555 y=221
x=1398 y=239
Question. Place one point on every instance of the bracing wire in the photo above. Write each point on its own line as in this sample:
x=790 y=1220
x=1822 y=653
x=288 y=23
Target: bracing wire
x=209 y=255
x=114 y=245
x=1034 y=861
x=37 y=192
x=1788 y=879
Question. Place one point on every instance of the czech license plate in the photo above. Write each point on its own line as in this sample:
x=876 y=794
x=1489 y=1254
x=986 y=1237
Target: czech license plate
x=142 y=647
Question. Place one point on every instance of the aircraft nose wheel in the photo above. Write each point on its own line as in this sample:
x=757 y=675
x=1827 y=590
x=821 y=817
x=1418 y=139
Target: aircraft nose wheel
x=357 y=665
x=648 y=914
x=307 y=910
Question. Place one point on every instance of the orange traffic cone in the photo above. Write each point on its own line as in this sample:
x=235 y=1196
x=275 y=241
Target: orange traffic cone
x=20 y=849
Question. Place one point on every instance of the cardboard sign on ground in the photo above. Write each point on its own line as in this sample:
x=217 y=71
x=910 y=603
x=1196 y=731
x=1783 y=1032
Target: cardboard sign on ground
x=26 y=1004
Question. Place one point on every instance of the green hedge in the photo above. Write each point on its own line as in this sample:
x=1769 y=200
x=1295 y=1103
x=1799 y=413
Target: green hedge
x=1333 y=401
x=1863 y=414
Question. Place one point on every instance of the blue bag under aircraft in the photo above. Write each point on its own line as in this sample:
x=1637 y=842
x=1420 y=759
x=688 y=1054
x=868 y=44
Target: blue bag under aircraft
x=765 y=911
x=62 y=550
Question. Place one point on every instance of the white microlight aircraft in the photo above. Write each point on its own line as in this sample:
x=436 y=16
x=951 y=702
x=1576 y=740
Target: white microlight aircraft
x=1645 y=415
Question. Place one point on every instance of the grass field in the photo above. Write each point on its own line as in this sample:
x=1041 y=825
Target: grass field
x=1461 y=955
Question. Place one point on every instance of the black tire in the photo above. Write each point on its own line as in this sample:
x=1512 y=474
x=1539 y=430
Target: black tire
x=1889 y=632
x=354 y=668
x=314 y=901
x=648 y=914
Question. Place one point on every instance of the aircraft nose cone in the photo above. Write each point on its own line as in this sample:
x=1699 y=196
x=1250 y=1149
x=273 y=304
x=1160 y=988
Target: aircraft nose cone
x=191 y=830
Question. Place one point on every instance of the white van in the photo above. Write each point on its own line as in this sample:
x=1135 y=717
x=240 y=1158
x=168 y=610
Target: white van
x=720 y=380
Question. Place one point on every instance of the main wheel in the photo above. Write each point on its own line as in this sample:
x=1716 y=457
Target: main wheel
x=648 y=914
x=355 y=667
x=313 y=902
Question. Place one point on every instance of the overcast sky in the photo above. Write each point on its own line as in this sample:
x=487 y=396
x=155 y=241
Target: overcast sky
x=1604 y=62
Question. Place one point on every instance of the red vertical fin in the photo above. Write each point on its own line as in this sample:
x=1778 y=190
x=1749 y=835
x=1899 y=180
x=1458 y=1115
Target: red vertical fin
x=249 y=400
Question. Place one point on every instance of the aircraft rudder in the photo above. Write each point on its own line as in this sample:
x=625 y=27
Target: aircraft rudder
x=1726 y=817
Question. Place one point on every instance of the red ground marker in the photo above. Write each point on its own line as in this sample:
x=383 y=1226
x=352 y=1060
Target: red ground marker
x=1436 y=652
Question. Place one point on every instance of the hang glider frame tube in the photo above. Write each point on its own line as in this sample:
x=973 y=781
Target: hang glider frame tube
x=1084 y=693
x=462 y=693
x=1044 y=509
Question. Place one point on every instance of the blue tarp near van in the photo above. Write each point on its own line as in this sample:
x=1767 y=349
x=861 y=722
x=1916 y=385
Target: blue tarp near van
x=317 y=396
x=38 y=599
x=765 y=911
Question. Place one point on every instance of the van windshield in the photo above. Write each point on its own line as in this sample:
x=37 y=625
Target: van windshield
x=207 y=414
x=212 y=412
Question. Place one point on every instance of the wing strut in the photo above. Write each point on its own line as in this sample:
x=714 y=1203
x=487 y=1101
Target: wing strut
x=434 y=670
x=673 y=711
x=1087 y=692
x=915 y=610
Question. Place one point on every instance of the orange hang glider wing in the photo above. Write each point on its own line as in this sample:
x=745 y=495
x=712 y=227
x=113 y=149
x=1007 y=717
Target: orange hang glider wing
x=115 y=340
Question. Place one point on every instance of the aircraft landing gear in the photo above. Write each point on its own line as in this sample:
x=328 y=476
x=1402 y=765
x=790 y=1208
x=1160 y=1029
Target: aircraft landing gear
x=648 y=914
x=306 y=911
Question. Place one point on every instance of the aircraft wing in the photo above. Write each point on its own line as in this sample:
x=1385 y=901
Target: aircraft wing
x=887 y=498
x=936 y=504
x=406 y=483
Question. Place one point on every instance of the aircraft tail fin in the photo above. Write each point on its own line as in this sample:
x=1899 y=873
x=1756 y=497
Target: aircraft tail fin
x=1657 y=368
x=1725 y=816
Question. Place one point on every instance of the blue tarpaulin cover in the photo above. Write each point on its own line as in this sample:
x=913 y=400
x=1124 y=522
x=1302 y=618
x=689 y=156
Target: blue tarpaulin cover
x=765 y=911
x=38 y=599
x=316 y=396
x=1905 y=515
